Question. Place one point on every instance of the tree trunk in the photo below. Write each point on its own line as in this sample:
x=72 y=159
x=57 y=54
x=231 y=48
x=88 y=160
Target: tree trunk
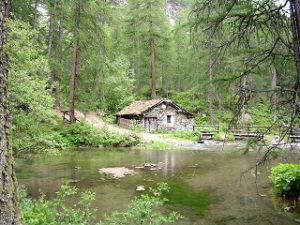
x=274 y=95
x=52 y=29
x=59 y=56
x=152 y=58
x=164 y=80
x=35 y=19
x=153 y=69
x=220 y=108
x=136 y=62
x=210 y=78
x=74 y=64
x=295 y=22
x=54 y=52
x=8 y=183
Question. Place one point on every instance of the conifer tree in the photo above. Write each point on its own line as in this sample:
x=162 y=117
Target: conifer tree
x=8 y=183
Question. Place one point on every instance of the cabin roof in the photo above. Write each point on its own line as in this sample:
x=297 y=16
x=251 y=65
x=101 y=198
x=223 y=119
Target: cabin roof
x=139 y=107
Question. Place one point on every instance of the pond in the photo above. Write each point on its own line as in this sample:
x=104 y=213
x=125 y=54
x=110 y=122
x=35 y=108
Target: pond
x=206 y=185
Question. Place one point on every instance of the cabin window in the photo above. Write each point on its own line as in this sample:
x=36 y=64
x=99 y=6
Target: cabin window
x=168 y=119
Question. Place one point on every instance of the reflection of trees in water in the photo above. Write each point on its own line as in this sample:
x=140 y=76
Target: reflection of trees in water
x=171 y=160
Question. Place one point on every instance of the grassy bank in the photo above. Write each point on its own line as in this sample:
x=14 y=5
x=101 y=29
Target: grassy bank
x=33 y=136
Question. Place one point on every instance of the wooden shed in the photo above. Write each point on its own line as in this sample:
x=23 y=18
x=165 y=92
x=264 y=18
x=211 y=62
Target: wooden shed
x=156 y=114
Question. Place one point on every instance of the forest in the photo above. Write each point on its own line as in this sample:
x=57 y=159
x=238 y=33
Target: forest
x=102 y=55
x=230 y=63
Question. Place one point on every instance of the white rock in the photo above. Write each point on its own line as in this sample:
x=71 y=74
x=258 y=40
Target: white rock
x=140 y=188
x=117 y=172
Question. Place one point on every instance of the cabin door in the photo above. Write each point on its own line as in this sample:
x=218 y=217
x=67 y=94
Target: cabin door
x=151 y=124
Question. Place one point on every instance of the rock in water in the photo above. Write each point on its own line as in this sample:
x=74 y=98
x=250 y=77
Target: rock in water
x=140 y=188
x=117 y=172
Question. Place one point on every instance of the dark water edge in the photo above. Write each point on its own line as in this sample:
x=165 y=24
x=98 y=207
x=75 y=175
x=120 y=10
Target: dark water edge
x=206 y=186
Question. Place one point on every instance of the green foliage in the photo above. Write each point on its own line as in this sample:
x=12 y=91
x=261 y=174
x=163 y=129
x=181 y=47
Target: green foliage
x=286 y=179
x=136 y=126
x=57 y=211
x=145 y=210
x=44 y=137
x=82 y=134
x=29 y=72
x=185 y=100
x=223 y=136
x=261 y=114
x=30 y=134
x=118 y=86
x=187 y=135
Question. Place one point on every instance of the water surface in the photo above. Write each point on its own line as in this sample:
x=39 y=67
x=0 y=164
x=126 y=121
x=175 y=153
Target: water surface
x=207 y=185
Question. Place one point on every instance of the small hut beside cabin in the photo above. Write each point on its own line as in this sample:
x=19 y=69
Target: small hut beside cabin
x=156 y=114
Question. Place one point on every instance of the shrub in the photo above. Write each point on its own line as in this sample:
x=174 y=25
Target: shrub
x=188 y=135
x=32 y=134
x=223 y=136
x=145 y=209
x=286 y=179
x=57 y=211
x=136 y=126
x=82 y=134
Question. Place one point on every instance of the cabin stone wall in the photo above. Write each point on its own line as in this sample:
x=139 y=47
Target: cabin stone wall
x=157 y=119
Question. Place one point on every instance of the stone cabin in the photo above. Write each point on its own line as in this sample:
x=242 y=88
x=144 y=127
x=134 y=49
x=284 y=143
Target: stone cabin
x=156 y=114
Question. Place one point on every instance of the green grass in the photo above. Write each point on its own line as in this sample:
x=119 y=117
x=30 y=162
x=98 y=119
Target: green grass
x=182 y=135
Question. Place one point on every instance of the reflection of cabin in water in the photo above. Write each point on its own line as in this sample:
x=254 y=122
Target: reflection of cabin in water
x=156 y=114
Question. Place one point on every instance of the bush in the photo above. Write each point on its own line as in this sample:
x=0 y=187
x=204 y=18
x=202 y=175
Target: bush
x=57 y=211
x=286 y=179
x=82 y=134
x=187 y=135
x=223 y=136
x=33 y=134
x=145 y=209
x=136 y=127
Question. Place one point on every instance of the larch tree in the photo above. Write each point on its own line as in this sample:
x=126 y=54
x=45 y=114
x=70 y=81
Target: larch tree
x=75 y=61
x=148 y=20
x=8 y=184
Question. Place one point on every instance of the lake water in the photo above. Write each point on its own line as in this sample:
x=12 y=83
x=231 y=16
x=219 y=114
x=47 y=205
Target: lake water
x=206 y=185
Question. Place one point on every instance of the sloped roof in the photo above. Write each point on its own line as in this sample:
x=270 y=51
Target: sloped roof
x=140 y=107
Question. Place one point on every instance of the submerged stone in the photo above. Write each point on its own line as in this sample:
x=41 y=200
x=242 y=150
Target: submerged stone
x=117 y=172
x=140 y=188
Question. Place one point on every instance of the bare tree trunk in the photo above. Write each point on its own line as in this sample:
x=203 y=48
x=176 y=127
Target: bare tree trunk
x=59 y=56
x=220 y=108
x=54 y=44
x=136 y=64
x=164 y=80
x=9 y=214
x=244 y=98
x=274 y=95
x=210 y=78
x=153 y=67
x=295 y=22
x=35 y=19
x=52 y=29
x=74 y=64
